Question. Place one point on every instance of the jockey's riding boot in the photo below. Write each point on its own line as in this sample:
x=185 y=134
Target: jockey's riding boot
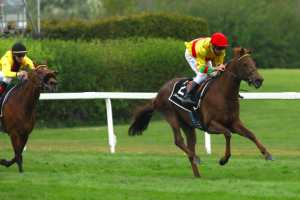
x=2 y=87
x=189 y=97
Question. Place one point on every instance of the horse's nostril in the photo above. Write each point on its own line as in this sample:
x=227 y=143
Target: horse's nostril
x=52 y=83
x=259 y=80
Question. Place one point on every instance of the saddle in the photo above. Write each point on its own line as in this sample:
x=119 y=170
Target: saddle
x=200 y=88
x=179 y=91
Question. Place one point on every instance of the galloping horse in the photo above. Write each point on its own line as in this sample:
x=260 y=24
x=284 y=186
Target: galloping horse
x=19 y=111
x=219 y=109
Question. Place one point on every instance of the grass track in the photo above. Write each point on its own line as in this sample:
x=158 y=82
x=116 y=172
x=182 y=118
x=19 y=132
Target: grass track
x=96 y=175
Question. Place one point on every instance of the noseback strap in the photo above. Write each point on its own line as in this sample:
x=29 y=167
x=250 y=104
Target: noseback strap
x=49 y=75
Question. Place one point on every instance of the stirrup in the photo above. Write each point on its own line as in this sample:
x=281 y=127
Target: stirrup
x=188 y=101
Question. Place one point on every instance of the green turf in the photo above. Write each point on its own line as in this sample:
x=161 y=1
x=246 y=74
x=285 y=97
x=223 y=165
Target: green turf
x=76 y=163
x=98 y=175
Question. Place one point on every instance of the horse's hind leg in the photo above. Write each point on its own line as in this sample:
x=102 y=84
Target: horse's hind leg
x=191 y=137
x=240 y=129
x=171 y=118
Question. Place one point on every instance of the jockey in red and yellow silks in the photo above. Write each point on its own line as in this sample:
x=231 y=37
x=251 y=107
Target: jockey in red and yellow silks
x=199 y=54
x=11 y=63
x=201 y=49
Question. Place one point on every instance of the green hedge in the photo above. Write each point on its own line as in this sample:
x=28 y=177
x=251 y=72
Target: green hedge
x=128 y=65
x=157 y=25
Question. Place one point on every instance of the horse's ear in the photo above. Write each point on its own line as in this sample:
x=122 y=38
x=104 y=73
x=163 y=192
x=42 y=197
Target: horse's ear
x=34 y=63
x=250 y=51
x=44 y=62
x=242 y=52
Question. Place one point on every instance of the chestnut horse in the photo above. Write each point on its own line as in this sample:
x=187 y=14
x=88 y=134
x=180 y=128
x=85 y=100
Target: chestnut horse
x=18 y=118
x=218 y=110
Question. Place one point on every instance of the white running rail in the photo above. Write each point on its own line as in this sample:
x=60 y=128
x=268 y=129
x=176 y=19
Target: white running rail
x=132 y=95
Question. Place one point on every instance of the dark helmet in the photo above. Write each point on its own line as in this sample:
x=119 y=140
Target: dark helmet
x=19 y=48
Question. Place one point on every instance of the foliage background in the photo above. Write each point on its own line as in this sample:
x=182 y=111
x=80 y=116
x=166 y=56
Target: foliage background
x=270 y=26
x=127 y=65
x=146 y=25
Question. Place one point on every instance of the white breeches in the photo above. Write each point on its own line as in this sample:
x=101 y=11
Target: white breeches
x=193 y=63
x=8 y=80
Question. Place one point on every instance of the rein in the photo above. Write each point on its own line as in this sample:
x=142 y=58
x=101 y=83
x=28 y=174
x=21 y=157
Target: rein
x=246 y=77
x=18 y=88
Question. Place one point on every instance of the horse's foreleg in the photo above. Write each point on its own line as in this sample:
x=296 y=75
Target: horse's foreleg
x=240 y=129
x=191 y=137
x=217 y=128
x=24 y=139
x=16 y=142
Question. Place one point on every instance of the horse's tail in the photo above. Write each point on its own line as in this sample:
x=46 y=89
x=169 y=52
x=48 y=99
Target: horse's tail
x=142 y=117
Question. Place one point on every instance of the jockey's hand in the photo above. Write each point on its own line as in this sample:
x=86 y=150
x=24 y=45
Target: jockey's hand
x=220 y=67
x=23 y=73
x=33 y=68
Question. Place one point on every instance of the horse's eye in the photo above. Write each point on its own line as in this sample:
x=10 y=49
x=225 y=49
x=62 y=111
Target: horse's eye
x=39 y=72
x=245 y=65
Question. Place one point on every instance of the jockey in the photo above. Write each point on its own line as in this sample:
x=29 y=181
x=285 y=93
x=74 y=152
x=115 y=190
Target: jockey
x=199 y=54
x=11 y=63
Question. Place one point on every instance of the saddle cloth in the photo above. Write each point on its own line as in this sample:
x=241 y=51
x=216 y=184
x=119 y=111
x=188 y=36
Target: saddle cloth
x=179 y=91
x=3 y=100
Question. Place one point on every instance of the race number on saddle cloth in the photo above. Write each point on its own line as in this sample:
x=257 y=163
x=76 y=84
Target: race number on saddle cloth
x=179 y=91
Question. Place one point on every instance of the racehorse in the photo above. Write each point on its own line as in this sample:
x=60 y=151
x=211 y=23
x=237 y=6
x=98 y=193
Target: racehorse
x=218 y=110
x=18 y=118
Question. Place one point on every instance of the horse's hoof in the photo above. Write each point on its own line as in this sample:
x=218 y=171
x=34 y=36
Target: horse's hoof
x=270 y=158
x=221 y=162
x=2 y=161
x=197 y=161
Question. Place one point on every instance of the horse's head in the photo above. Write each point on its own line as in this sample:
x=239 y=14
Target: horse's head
x=44 y=78
x=246 y=69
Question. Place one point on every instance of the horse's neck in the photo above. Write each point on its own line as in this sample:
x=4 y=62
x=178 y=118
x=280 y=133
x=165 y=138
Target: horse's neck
x=229 y=83
x=31 y=93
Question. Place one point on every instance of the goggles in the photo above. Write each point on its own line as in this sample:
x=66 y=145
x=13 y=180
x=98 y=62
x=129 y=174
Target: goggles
x=220 y=48
x=20 y=54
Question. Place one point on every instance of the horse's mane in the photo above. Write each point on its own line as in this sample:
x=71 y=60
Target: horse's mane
x=237 y=50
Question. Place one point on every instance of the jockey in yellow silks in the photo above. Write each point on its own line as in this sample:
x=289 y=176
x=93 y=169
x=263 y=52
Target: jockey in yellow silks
x=11 y=63
x=199 y=54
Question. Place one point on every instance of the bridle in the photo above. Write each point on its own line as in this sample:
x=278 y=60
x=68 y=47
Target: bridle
x=246 y=77
x=42 y=84
x=44 y=80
